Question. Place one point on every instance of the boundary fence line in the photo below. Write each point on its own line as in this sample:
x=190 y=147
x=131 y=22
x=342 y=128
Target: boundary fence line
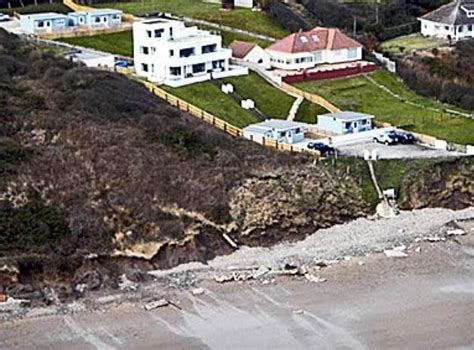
x=219 y=123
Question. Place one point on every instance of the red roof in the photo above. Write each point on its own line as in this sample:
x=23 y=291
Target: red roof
x=240 y=49
x=316 y=39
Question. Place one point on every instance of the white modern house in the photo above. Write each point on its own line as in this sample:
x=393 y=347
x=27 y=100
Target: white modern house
x=251 y=53
x=305 y=50
x=282 y=131
x=167 y=52
x=453 y=21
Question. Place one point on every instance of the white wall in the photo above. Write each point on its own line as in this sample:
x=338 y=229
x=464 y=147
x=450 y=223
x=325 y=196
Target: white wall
x=327 y=56
x=440 y=30
x=258 y=56
x=244 y=3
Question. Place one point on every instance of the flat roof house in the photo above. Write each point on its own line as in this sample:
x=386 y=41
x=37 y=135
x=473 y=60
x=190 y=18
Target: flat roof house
x=104 y=18
x=452 y=21
x=320 y=45
x=282 y=131
x=345 y=122
x=47 y=22
x=166 y=51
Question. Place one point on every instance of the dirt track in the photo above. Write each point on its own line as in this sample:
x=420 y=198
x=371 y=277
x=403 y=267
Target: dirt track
x=422 y=301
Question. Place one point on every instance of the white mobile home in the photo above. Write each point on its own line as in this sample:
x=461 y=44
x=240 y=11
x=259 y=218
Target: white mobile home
x=282 y=131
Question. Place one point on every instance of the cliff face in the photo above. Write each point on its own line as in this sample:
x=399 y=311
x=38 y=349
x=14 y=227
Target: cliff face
x=99 y=176
x=447 y=184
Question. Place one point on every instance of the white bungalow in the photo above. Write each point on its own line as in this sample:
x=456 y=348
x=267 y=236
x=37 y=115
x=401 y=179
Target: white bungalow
x=453 y=21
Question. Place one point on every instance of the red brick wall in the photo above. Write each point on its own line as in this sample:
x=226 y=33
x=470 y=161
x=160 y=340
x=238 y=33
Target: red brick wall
x=332 y=74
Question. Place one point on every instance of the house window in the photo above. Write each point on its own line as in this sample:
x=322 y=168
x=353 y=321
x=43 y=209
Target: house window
x=159 y=33
x=171 y=53
x=469 y=27
x=40 y=24
x=446 y=28
x=352 y=53
x=176 y=71
x=199 y=68
x=171 y=31
x=347 y=125
x=116 y=17
x=104 y=19
x=144 y=50
x=144 y=67
x=148 y=33
x=218 y=64
x=318 y=56
x=186 y=52
x=209 y=48
x=48 y=24
x=461 y=28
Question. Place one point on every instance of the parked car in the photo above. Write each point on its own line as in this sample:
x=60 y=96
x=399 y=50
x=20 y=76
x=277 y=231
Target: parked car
x=4 y=17
x=121 y=63
x=405 y=137
x=321 y=147
x=387 y=138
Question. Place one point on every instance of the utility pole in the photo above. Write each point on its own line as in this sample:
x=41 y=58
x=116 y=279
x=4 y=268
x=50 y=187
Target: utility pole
x=377 y=11
x=354 y=30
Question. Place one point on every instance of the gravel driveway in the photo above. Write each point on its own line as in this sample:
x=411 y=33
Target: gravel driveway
x=395 y=151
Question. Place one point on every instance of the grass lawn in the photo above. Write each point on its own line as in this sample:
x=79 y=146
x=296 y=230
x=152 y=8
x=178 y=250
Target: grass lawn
x=411 y=42
x=229 y=37
x=55 y=7
x=121 y=43
x=268 y=99
x=308 y=112
x=115 y=43
x=253 y=21
x=359 y=94
x=209 y=97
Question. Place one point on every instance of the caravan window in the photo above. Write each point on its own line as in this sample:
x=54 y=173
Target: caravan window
x=96 y=19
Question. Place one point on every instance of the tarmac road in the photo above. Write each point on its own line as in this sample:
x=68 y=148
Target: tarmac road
x=420 y=302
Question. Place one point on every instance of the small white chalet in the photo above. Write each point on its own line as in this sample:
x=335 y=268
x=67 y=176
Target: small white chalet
x=282 y=131
x=453 y=21
x=166 y=51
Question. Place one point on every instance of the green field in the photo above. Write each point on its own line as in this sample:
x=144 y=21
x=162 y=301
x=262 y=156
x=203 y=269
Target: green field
x=55 y=7
x=268 y=99
x=409 y=43
x=121 y=43
x=209 y=97
x=253 y=21
x=359 y=94
x=115 y=43
x=308 y=112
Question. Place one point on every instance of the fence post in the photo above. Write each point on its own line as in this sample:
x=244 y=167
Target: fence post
x=202 y=114
x=213 y=120
x=225 y=127
x=263 y=140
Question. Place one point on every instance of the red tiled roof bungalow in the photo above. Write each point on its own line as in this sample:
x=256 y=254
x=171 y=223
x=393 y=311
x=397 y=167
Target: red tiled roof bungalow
x=319 y=45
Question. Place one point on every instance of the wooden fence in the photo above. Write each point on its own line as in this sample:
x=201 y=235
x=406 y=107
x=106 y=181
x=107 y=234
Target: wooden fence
x=219 y=123
x=316 y=99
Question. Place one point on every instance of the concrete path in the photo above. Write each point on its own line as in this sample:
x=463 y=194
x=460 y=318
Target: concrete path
x=294 y=108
